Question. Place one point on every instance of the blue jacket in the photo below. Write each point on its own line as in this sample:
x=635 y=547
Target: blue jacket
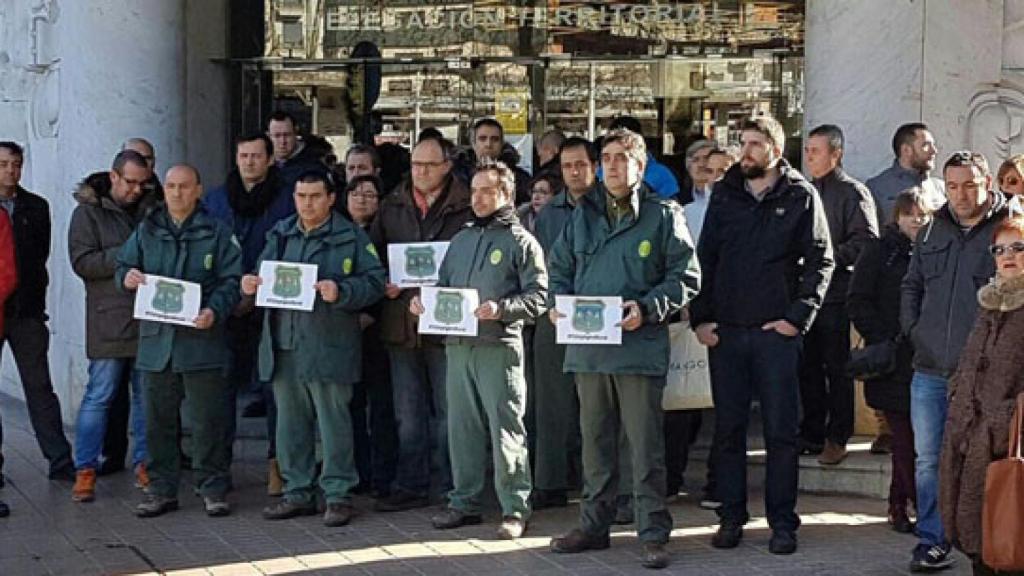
x=250 y=232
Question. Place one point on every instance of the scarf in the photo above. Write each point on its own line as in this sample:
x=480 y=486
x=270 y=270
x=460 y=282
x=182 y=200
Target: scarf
x=254 y=202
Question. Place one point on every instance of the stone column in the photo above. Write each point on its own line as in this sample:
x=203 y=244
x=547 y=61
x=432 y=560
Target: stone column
x=872 y=65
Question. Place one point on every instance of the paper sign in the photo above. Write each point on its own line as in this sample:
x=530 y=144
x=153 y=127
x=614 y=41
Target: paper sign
x=287 y=285
x=168 y=300
x=589 y=320
x=416 y=264
x=449 y=311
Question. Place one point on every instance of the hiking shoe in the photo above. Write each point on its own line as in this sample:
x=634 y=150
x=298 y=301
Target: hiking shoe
x=930 y=558
x=511 y=528
x=216 y=506
x=338 y=514
x=275 y=484
x=452 y=518
x=728 y=536
x=782 y=542
x=153 y=505
x=901 y=523
x=579 y=541
x=655 y=556
x=84 y=489
x=141 y=476
x=286 y=509
x=833 y=454
x=400 y=500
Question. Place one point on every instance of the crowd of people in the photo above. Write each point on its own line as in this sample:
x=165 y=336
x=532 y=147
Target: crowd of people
x=770 y=268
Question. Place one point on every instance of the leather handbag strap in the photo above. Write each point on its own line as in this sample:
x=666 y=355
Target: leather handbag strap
x=1016 y=427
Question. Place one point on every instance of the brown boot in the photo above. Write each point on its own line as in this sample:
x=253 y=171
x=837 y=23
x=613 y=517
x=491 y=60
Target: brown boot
x=833 y=454
x=275 y=484
x=579 y=541
x=85 y=486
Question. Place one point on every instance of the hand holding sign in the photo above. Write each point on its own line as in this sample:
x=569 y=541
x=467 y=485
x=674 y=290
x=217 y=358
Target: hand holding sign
x=591 y=319
x=169 y=300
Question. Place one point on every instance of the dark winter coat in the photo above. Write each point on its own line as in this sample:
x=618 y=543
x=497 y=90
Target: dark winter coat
x=763 y=260
x=939 y=299
x=852 y=223
x=250 y=230
x=873 y=303
x=8 y=269
x=99 y=227
x=982 y=395
x=31 y=225
x=398 y=221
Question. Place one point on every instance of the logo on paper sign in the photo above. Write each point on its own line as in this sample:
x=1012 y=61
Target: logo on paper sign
x=644 y=249
x=588 y=316
x=208 y=262
x=420 y=261
x=346 y=266
x=169 y=297
x=287 y=281
x=496 y=257
x=448 y=309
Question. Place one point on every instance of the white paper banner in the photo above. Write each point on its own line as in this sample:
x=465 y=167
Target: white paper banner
x=449 y=311
x=287 y=285
x=168 y=300
x=589 y=320
x=416 y=264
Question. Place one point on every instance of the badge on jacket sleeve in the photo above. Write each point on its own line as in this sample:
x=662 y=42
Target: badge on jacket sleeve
x=644 y=249
x=496 y=257
x=346 y=266
x=208 y=262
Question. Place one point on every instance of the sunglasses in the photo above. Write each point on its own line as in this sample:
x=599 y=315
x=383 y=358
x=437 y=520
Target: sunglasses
x=1011 y=248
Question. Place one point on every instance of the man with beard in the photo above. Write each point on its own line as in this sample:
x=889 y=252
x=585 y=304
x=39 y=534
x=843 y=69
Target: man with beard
x=251 y=202
x=914 y=147
x=766 y=257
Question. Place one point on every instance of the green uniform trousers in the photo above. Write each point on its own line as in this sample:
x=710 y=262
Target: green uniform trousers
x=609 y=405
x=303 y=403
x=487 y=397
x=557 y=411
x=207 y=392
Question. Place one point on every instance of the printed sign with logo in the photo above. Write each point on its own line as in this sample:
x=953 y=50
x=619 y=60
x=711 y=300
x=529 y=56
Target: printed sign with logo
x=415 y=264
x=167 y=300
x=449 y=311
x=589 y=319
x=287 y=285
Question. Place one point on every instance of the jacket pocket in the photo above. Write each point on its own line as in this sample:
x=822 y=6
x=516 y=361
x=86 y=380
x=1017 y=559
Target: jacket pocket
x=934 y=259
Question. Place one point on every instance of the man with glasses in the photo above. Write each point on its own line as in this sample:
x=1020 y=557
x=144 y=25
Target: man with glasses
x=939 y=302
x=430 y=206
x=110 y=206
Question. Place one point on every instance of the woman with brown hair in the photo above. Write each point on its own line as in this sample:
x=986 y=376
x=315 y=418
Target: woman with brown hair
x=1010 y=176
x=983 y=394
x=873 y=303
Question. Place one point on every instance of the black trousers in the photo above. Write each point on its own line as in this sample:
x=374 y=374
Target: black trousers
x=372 y=407
x=29 y=340
x=749 y=361
x=682 y=427
x=826 y=391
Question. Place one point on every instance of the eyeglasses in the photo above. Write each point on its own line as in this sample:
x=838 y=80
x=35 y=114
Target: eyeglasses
x=1012 y=248
x=364 y=196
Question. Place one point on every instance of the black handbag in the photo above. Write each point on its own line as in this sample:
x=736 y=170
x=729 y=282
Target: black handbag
x=873 y=361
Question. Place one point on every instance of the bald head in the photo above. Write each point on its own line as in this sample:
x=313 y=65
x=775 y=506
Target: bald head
x=182 y=190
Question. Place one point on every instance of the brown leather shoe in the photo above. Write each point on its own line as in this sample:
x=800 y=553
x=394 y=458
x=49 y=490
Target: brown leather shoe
x=85 y=486
x=338 y=514
x=579 y=541
x=833 y=454
x=655 y=556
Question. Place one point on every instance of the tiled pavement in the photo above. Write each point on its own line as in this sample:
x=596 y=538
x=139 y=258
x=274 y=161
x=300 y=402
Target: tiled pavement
x=48 y=534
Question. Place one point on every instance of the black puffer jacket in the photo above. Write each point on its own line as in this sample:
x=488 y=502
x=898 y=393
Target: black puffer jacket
x=873 y=303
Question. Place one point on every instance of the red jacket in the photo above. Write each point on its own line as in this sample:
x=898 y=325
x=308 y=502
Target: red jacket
x=8 y=274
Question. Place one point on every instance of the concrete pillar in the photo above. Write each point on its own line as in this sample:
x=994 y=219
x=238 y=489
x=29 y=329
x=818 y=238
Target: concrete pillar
x=872 y=65
x=95 y=74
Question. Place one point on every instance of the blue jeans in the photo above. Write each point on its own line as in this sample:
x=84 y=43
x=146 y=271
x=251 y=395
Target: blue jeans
x=105 y=375
x=418 y=379
x=928 y=417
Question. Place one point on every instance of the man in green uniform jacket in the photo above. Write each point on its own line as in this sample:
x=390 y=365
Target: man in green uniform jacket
x=313 y=358
x=496 y=256
x=179 y=240
x=622 y=240
x=557 y=408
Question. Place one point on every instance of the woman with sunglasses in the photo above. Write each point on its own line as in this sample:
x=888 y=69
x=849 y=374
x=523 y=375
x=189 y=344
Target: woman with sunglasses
x=982 y=394
x=873 y=303
x=1010 y=176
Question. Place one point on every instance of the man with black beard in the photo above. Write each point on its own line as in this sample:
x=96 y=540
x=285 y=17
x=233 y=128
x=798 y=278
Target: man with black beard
x=914 y=150
x=251 y=201
x=766 y=257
